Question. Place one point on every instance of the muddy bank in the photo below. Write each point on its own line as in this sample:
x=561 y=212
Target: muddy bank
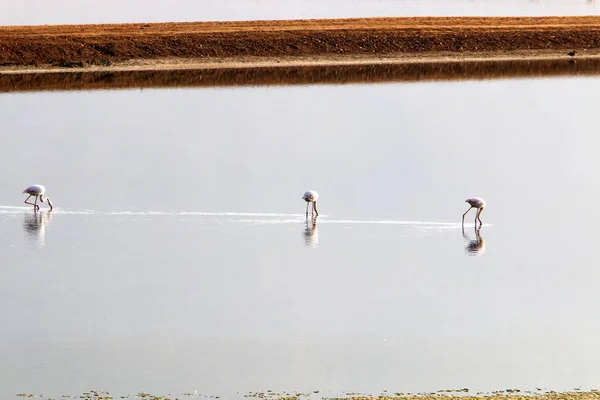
x=83 y=46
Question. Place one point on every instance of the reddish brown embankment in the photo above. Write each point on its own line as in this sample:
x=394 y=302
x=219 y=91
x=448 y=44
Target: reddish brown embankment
x=107 y=45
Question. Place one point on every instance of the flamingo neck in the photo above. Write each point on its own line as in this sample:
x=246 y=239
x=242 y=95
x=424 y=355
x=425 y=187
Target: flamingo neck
x=48 y=200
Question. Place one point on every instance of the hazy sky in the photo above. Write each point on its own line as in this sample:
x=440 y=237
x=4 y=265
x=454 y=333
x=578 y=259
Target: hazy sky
x=104 y=11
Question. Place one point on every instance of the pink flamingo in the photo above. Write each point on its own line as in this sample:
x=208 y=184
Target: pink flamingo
x=311 y=197
x=37 y=191
x=479 y=204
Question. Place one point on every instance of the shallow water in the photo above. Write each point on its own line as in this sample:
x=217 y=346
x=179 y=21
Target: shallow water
x=36 y=12
x=179 y=259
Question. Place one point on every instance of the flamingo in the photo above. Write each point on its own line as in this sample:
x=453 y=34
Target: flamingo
x=311 y=197
x=479 y=204
x=37 y=191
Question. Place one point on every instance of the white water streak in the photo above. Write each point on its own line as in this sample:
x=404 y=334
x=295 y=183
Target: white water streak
x=20 y=210
x=257 y=218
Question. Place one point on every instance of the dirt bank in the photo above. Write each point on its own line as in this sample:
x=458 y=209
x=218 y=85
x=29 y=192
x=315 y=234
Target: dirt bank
x=85 y=46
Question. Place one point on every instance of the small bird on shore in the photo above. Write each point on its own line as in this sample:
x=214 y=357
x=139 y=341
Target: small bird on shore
x=37 y=191
x=311 y=197
x=572 y=53
x=479 y=204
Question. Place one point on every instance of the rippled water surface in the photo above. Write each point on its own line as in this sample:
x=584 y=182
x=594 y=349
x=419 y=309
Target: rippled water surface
x=94 y=11
x=178 y=257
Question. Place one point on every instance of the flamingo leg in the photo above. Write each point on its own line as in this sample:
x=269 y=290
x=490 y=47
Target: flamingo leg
x=307 y=204
x=478 y=217
x=35 y=206
x=466 y=214
x=315 y=208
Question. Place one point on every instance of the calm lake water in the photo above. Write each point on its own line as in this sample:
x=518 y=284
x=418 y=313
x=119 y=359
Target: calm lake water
x=178 y=257
x=37 y=12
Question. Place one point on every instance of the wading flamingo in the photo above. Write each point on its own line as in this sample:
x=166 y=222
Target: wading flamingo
x=37 y=191
x=311 y=197
x=479 y=204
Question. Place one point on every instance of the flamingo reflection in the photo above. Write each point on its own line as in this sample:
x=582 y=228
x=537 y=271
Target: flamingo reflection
x=311 y=232
x=475 y=246
x=34 y=225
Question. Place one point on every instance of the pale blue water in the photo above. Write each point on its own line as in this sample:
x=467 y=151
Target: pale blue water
x=178 y=257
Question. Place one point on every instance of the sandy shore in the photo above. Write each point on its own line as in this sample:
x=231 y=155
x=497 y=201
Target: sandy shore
x=511 y=394
x=210 y=45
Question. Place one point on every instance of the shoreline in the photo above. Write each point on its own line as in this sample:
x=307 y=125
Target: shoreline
x=296 y=43
x=460 y=394
x=177 y=64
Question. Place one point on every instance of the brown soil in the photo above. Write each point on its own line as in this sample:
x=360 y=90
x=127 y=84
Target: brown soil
x=82 y=46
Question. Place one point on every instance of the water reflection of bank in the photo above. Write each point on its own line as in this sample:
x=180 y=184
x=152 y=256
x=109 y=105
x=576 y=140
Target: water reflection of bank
x=300 y=75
